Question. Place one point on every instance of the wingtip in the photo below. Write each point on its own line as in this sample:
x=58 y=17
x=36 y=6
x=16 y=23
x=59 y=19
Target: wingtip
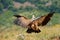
x=52 y=12
x=17 y=15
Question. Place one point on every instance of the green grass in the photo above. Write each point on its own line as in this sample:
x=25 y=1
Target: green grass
x=10 y=31
x=7 y=18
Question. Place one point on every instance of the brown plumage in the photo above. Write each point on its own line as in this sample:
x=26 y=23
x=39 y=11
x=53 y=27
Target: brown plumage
x=22 y=21
x=43 y=20
x=33 y=25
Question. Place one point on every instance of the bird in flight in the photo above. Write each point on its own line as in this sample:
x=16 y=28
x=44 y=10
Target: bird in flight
x=33 y=25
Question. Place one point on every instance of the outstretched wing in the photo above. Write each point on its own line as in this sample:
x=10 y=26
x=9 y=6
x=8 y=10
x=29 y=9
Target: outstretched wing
x=21 y=21
x=43 y=20
x=47 y=18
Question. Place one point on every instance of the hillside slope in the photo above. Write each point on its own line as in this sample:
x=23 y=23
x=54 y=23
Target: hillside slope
x=18 y=33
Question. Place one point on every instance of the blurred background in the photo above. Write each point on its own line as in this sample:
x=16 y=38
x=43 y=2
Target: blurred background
x=27 y=8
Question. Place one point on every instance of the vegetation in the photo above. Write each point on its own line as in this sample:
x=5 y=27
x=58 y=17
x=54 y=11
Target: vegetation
x=19 y=33
x=10 y=31
x=46 y=5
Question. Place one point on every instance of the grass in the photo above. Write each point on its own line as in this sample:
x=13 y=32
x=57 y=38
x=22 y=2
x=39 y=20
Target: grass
x=16 y=33
x=9 y=31
x=7 y=18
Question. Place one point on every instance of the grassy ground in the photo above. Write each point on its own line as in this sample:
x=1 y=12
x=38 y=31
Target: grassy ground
x=19 y=33
x=9 y=31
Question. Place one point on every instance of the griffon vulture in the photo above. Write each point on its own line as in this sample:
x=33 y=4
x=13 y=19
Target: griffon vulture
x=33 y=25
